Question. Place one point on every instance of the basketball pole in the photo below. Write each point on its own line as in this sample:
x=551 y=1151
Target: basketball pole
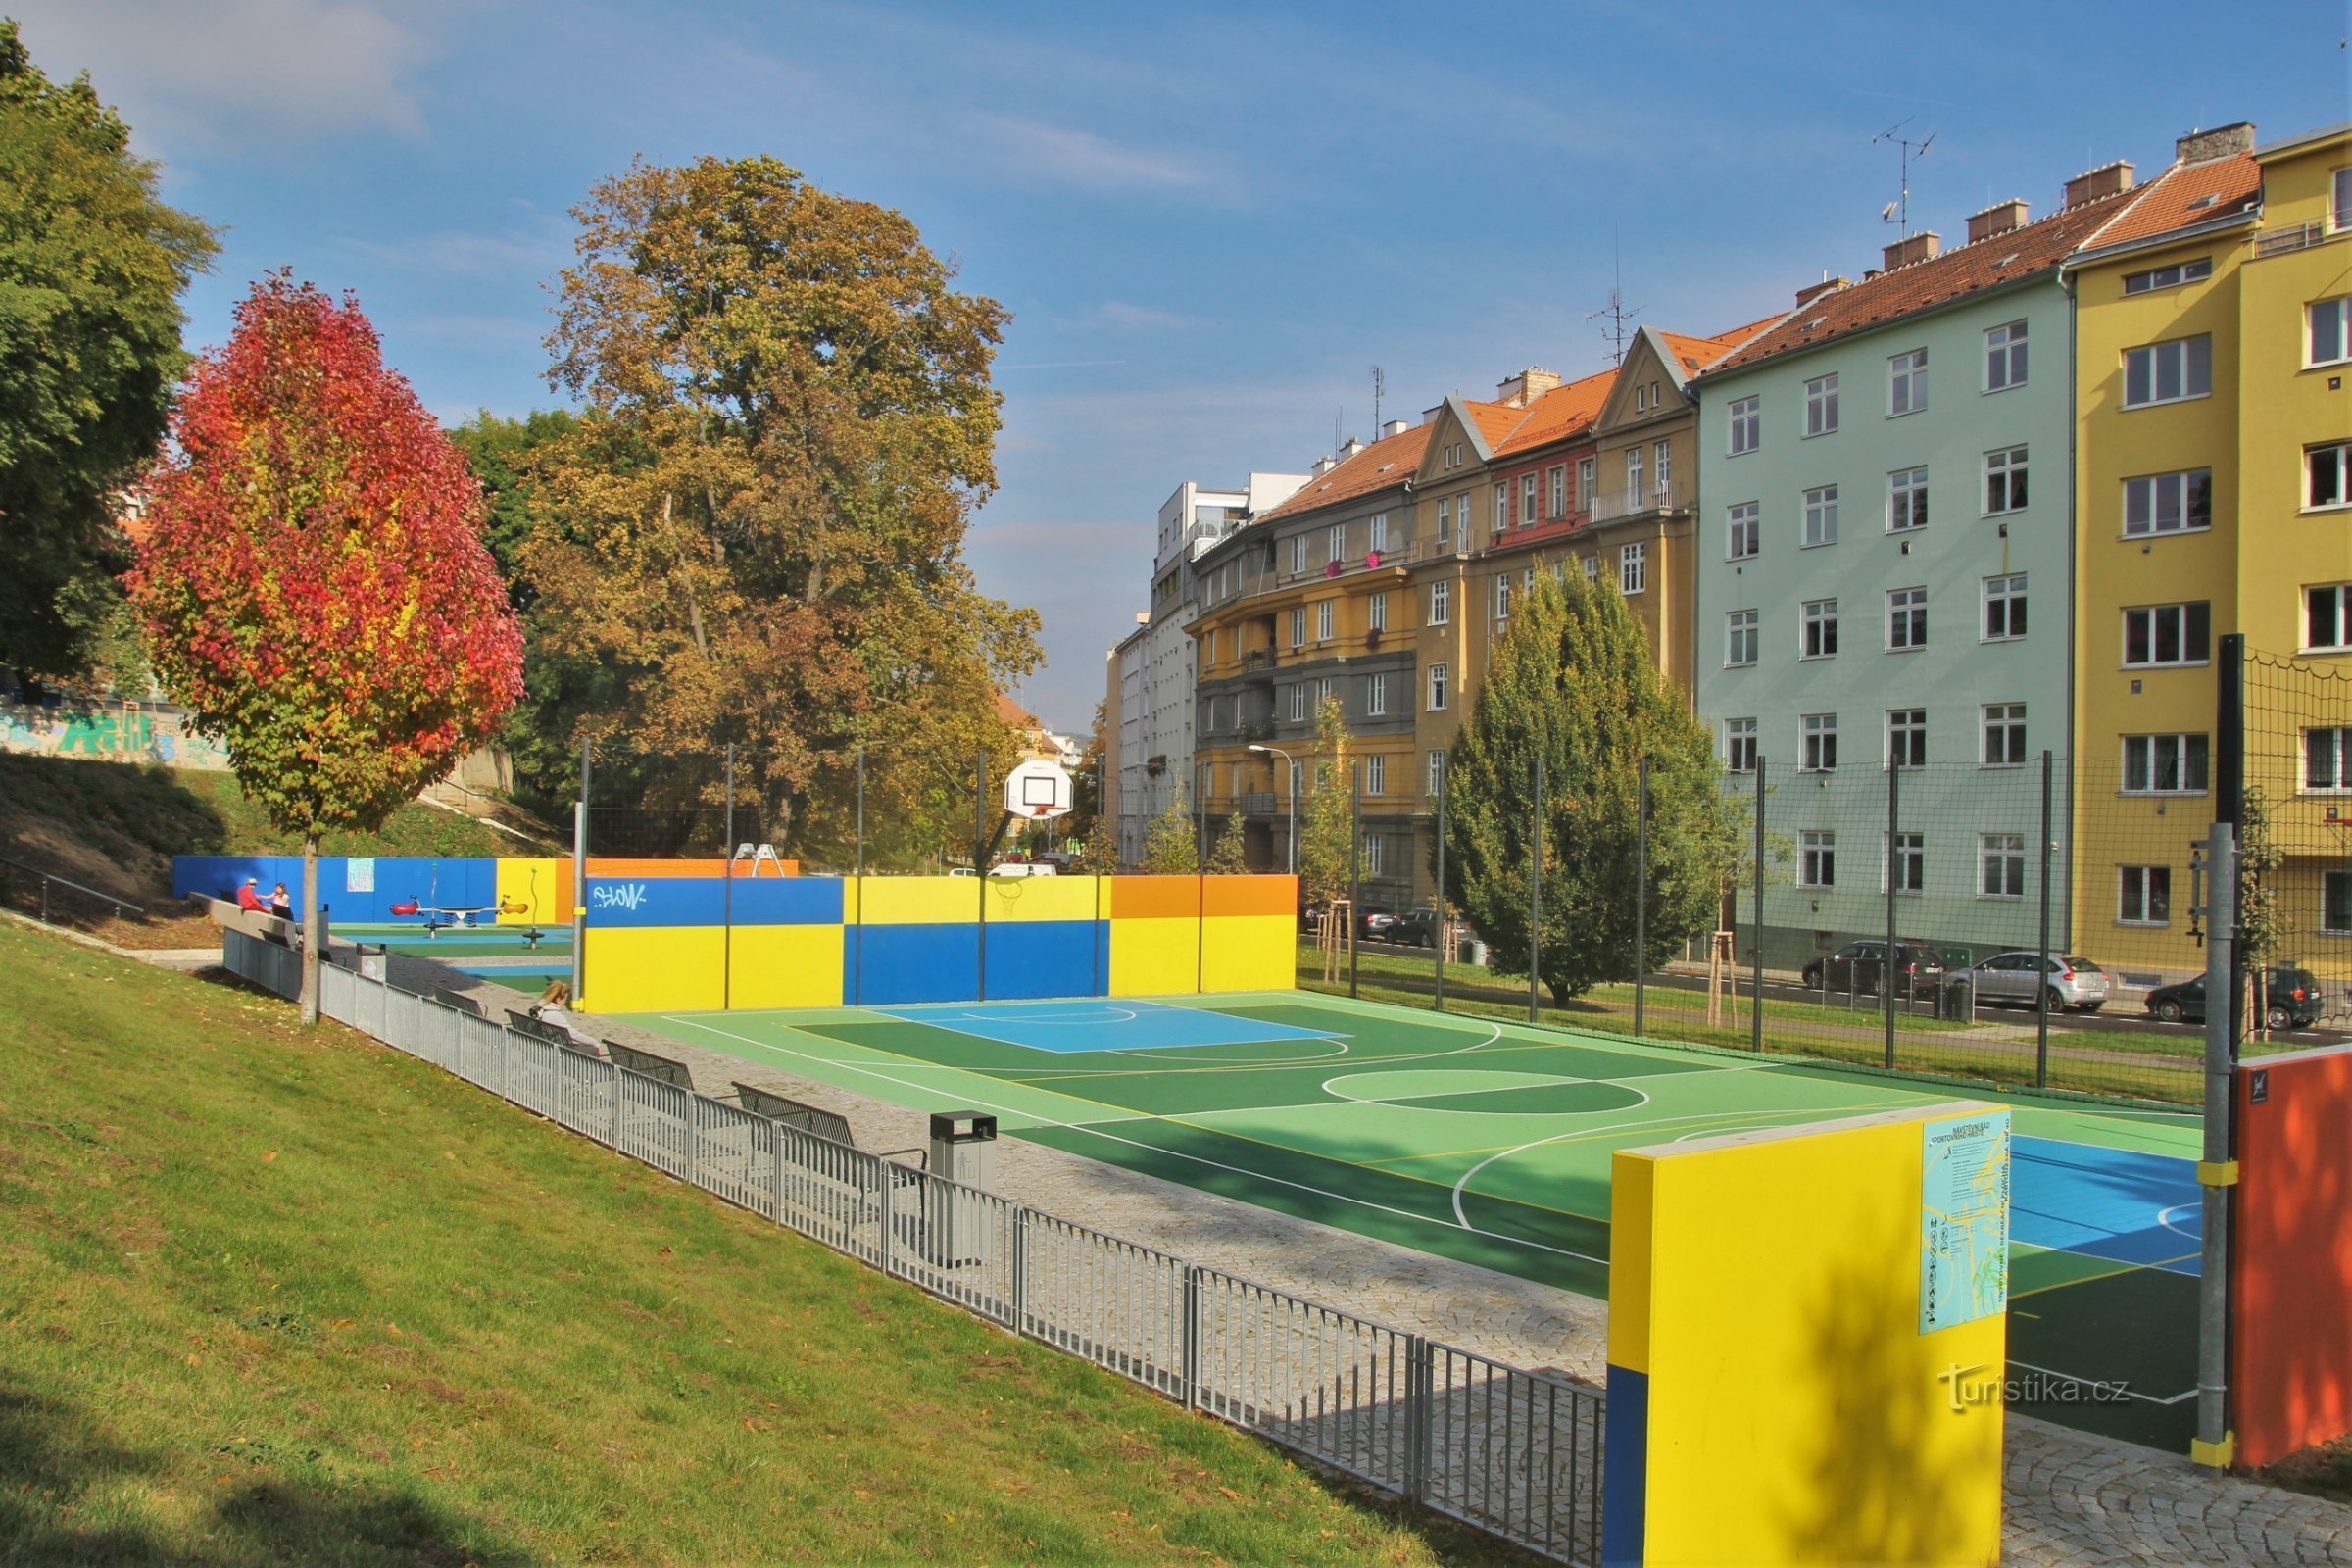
x=1535 y=893
x=1355 y=866
x=1440 y=900
x=726 y=894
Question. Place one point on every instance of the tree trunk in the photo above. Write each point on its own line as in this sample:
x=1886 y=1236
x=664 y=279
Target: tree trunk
x=310 y=927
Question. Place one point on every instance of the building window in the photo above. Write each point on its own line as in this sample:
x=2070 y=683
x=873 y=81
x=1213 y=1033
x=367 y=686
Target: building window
x=1908 y=382
x=1372 y=845
x=1818 y=752
x=1663 y=476
x=2168 y=634
x=1445 y=519
x=1298 y=627
x=2330 y=331
x=2169 y=276
x=2328 y=474
x=1591 y=568
x=2164 y=765
x=1376 y=612
x=1906 y=500
x=1337 y=542
x=1437 y=772
x=2005 y=356
x=2327 y=760
x=1739 y=638
x=1462 y=525
x=2327 y=618
x=1632 y=475
x=1633 y=569
x=1298 y=702
x=1907 y=737
x=1821 y=517
x=1380 y=532
x=2004 y=734
x=1441 y=602
x=2001 y=865
x=2342 y=209
x=2168 y=503
x=1821 y=406
x=1436 y=688
x=1376 y=695
x=1503 y=506
x=1906 y=619
x=2004 y=480
x=1743 y=531
x=2168 y=372
x=1559 y=491
x=1908 y=861
x=1739 y=745
x=1527 y=500
x=1323 y=620
x=1748 y=425
x=1376 y=774
x=1817 y=859
x=1586 y=469
x=1503 y=597
x=2335 y=903
x=1298 y=551
x=2005 y=608
x=2144 y=896
x=1819 y=635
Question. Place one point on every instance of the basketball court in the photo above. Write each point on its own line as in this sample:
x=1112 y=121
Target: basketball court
x=1491 y=1143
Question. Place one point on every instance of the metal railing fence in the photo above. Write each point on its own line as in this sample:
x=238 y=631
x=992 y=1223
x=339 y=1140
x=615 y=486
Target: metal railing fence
x=1513 y=1452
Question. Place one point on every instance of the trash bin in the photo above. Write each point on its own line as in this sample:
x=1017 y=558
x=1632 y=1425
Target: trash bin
x=961 y=1226
x=1959 y=999
x=371 y=961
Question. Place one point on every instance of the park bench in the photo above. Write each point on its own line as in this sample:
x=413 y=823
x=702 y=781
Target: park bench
x=522 y=1023
x=825 y=1124
x=647 y=1064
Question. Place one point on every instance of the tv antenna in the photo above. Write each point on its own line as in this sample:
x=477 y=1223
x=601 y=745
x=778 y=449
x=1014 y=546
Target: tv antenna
x=1614 y=313
x=1380 y=384
x=1898 y=210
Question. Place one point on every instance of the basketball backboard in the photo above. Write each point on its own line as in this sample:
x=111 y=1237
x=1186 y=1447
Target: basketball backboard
x=1038 y=789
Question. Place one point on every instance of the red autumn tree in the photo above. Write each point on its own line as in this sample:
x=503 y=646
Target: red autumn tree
x=314 y=580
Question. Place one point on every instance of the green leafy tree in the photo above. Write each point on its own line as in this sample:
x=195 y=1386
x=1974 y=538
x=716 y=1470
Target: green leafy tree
x=758 y=524
x=2265 y=926
x=1172 y=843
x=1572 y=682
x=1229 y=852
x=314 y=580
x=92 y=266
x=1328 y=812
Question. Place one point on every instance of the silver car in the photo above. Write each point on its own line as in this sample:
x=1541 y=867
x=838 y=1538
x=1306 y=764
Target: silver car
x=2019 y=978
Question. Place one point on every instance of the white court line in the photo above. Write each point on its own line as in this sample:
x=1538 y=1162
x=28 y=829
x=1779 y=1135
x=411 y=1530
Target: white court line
x=2164 y=1218
x=2068 y=1377
x=1503 y=1089
x=1094 y=1130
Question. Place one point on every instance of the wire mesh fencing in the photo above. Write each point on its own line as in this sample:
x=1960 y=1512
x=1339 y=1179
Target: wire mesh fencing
x=1514 y=1452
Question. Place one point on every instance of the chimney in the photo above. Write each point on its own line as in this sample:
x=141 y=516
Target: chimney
x=2223 y=141
x=1919 y=247
x=1430 y=415
x=1998 y=219
x=1813 y=291
x=1323 y=466
x=1348 y=449
x=1393 y=428
x=2104 y=180
x=1524 y=388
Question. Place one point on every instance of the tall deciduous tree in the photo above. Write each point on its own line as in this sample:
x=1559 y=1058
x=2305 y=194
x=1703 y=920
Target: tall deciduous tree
x=1172 y=840
x=1325 y=858
x=1572 y=682
x=91 y=270
x=313 y=581
x=1229 y=851
x=760 y=521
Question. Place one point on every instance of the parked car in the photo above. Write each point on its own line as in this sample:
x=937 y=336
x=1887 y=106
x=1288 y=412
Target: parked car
x=1372 y=922
x=2020 y=978
x=1857 y=966
x=1022 y=868
x=2290 y=998
x=1417 y=927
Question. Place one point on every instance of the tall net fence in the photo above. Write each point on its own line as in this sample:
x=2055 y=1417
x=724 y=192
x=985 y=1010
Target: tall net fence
x=2295 y=836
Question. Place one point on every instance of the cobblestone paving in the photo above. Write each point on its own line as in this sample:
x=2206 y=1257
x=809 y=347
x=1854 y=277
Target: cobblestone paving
x=2071 y=1497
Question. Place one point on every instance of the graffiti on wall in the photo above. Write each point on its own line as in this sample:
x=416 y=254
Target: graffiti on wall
x=119 y=732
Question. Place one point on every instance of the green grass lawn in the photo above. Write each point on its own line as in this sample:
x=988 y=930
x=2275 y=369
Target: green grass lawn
x=268 y=1297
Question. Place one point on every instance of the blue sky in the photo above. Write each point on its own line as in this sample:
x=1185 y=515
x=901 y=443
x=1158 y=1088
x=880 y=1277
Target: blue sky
x=1209 y=222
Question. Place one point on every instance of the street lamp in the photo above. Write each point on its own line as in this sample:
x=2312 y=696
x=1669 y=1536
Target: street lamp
x=1258 y=746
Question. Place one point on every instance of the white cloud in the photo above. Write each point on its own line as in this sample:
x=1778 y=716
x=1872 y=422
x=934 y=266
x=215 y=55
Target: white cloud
x=458 y=254
x=1083 y=159
x=235 y=70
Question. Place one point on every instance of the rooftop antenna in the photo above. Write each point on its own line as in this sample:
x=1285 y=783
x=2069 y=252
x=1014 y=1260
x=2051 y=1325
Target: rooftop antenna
x=1898 y=212
x=1380 y=384
x=1614 y=313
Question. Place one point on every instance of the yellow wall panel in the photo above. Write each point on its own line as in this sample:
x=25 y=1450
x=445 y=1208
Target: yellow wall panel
x=655 y=969
x=1248 y=951
x=786 y=966
x=1042 y=898
x=918 y=899
x=540 y=890
x=1155 y=957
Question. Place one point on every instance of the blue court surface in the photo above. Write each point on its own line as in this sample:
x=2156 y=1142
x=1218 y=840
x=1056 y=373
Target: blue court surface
x=2122 y=1204
x=1094 y=1024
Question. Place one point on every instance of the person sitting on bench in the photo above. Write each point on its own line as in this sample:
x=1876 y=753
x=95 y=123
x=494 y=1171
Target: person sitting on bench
x=247 y=900
x=553 y=1008
x=280 y=905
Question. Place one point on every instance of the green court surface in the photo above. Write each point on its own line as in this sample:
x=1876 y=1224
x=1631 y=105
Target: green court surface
x=1491 y=1143
x=462 y=944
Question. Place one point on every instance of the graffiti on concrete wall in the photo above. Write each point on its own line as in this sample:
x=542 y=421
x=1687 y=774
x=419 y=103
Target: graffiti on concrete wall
x=118 y=733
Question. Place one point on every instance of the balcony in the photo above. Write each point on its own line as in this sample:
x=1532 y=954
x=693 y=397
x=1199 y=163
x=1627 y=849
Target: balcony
x=1263 y=803
x=1640 y=500
x=1257 y=661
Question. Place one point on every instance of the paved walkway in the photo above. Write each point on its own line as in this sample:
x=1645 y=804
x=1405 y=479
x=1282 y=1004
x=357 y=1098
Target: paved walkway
x=2071 y=1497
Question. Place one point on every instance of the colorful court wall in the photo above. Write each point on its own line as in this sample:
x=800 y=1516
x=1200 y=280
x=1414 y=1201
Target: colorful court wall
x=524 y=891
x=655 y=945
x=2290 y=1265
x=1777 y=1393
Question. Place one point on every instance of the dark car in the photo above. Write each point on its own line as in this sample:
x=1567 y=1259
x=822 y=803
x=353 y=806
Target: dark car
x=1373 y=922
x=2291 y=997
x=1857 y=966
x=1415 y=927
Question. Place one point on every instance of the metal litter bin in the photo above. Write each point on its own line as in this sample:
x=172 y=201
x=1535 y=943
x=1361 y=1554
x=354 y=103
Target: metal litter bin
x=371 y=961
x=1959 y=999
x=960 y=1232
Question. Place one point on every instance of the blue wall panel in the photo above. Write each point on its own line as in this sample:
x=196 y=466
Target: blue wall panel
x=643 y=901
x=788 y=900
x=917 y=963
x=1039 y=959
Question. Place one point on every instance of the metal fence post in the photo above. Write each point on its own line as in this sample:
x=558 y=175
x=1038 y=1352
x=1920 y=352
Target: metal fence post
x=1889 y=970
x=2217 y=1172
x=1755 y=953
x=1192 y=1336
x=620 y=1084
x=1419 y=1381
x=1535 y=892
x=2041 y=1002
x=1355 y=869
x=726 y=894
x=1020 y=1271
x=888 y=1182
x=506 y=1073
x=694 y=1140
x=1641 y=901
x=1438 y=943
x=579 y=876
x=775 y=1143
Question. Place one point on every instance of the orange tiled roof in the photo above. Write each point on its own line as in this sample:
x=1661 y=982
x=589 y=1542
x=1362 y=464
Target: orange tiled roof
x=2184 y=196
x=1695 y=354
x=1013 y=713
x=2022 y=252
x=1391 y=460
x=1559 y=413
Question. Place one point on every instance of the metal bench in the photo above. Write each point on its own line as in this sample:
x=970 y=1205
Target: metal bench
x=647 y=1064
x=825 y=1124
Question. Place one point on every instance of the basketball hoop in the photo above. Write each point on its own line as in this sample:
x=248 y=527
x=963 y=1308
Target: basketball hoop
x=1037 y=789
